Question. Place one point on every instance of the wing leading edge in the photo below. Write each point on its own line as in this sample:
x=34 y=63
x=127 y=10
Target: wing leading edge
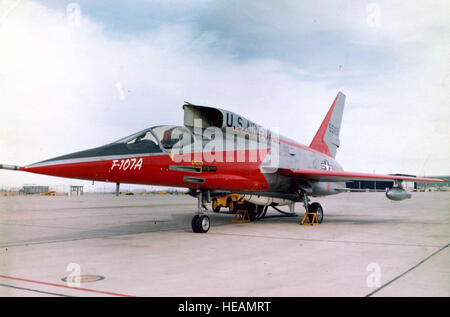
x=341 y=176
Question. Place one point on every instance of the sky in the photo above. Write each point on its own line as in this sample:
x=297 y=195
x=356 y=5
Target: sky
x=80 y=74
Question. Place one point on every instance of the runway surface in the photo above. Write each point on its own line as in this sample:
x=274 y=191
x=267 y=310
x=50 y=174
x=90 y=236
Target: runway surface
x=143 y=246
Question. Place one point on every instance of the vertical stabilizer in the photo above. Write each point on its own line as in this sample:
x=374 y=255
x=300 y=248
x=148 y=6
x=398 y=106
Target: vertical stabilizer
x=326 y=139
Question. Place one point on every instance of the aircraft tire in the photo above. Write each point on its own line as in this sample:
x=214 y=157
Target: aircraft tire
x=194 y=223
x=252 y=214
x=251 y=208
x=203 y=223
x=318 y=210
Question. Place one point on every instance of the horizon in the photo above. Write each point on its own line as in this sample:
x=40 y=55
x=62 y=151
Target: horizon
x=76 y=75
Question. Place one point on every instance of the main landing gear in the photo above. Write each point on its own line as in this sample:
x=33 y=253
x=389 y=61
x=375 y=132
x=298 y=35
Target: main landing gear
x=315 y=208
x=313 y=212
x=201 y=222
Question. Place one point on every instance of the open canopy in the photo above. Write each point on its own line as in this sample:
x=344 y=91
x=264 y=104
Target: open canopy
x=164 y=136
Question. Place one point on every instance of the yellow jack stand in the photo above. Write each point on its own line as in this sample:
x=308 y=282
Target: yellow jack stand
x=305 y=220
x=241 y=216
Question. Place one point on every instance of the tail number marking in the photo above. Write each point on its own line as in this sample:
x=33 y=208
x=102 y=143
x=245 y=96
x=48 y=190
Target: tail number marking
x=127 y=164
x=333 y=129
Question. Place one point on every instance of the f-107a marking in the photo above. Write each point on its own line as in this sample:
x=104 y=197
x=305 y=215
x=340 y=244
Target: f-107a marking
x=131 y=163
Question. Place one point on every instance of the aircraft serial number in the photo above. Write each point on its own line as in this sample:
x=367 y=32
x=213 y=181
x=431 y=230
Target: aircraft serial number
x=127 y=164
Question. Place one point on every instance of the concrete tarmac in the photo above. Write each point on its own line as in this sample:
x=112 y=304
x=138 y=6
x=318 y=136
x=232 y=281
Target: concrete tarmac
x=144 y=246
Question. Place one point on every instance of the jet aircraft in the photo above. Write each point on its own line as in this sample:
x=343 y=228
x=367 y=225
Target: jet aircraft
x=218 y=152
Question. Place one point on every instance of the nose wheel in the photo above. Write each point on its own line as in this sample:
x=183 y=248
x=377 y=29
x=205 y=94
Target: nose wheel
x=200 y=223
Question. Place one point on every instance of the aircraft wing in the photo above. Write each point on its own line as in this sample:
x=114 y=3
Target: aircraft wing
x=341 y=176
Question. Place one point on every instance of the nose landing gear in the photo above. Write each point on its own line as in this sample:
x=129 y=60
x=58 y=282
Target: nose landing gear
x=200 y=222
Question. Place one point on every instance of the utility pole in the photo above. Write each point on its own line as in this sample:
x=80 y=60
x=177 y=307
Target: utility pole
x=374 y=184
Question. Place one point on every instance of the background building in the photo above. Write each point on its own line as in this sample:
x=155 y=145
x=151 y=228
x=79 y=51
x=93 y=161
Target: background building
x=382 y=185
x=76 y=190
x=434 y=186
x=33 y=189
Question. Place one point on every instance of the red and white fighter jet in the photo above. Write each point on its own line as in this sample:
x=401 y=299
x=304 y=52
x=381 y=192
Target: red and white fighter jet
x=218 y=152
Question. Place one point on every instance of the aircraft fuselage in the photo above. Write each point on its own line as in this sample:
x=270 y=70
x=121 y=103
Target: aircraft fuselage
x=240 y=169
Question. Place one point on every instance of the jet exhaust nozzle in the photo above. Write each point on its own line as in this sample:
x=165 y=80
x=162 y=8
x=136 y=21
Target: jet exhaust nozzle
x=396 y=193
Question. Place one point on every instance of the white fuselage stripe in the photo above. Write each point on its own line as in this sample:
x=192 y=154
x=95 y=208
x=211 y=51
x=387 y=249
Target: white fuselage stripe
x=107 y=157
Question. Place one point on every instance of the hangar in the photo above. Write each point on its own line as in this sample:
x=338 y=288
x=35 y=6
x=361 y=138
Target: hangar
x=33 y=189
x=437 y=186
x=382 y=185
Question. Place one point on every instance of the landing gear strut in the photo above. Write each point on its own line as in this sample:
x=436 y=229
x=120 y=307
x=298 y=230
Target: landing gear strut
x=261 y=212
x=200 y=222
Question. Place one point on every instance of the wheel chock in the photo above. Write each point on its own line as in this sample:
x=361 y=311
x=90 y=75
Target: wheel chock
x=306 y=221
x=241 y=216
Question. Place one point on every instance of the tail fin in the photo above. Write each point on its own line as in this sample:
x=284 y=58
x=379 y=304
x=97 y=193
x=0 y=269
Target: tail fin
x=326 y=139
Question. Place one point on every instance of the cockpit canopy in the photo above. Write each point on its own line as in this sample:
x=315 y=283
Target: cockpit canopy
x=166 y=137
x=152 y=140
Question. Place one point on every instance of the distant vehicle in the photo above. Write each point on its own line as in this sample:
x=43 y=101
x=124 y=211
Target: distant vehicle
x=128 y=193
x=219 y=152
x=49 y=193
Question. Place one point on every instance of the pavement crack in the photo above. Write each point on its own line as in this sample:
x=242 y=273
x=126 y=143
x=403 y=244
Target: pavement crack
x=326 y=240
x=34 y=290
x=407 y=271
